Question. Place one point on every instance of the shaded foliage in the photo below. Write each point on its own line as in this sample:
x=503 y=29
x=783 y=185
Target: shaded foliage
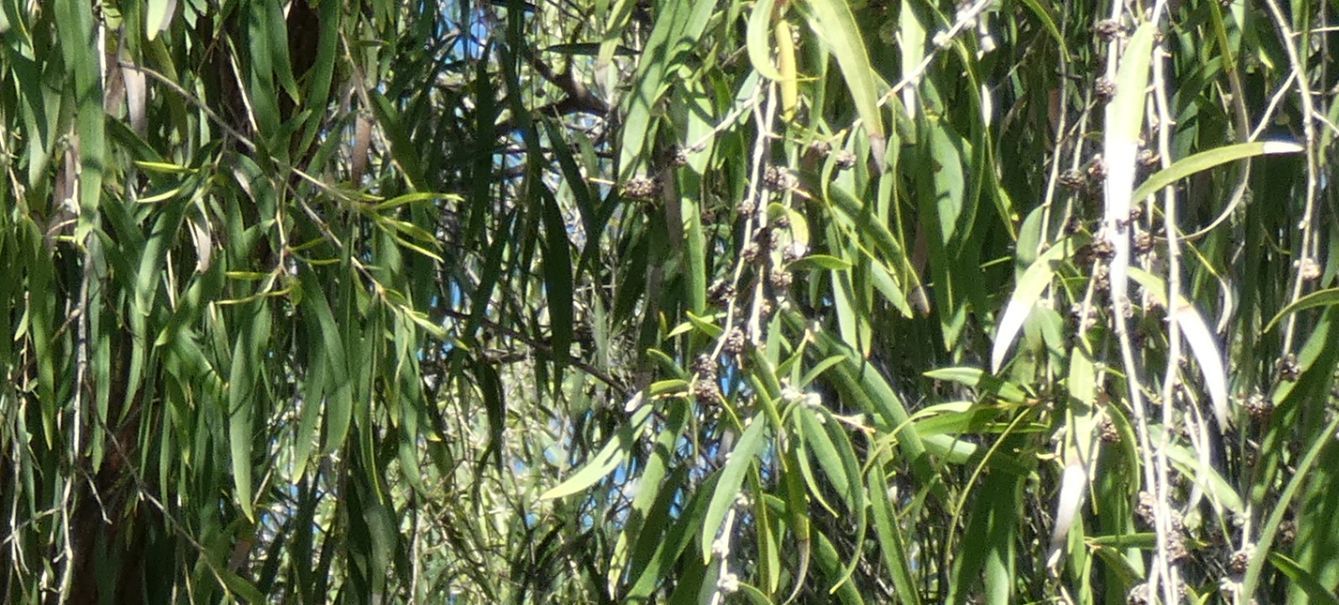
x=667 y=301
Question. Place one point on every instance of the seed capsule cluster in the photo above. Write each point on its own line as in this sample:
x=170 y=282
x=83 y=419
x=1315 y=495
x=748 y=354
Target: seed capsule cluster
x=641 y=188
x=705 y=389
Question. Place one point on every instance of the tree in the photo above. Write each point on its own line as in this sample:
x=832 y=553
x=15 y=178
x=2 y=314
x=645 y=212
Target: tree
x=667 y=301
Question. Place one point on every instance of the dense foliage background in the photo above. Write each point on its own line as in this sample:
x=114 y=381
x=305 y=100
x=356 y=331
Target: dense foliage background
x=668 y=301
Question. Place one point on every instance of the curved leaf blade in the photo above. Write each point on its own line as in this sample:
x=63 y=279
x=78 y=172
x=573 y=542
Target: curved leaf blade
x=604 y=462
x=832 y=21
x=1205 y=160
x=1026 y=294
x=732 y=477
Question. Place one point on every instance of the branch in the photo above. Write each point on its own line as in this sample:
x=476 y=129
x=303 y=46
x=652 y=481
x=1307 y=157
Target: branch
x=541 y=347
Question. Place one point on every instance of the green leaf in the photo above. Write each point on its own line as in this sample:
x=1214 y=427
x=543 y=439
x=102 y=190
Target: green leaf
x=1270 y=528
x=1125 y=113
x=1203 y=345
x=1205 y=160
x=264 y=106
x=829 y=562
x=1124 y=117
x=676 y=30
x=244 y=397
x=1315 y=591
x=403 y=153
x=650 y=507
x=1319 y=298
x=982 y=381
x=157 y=16
x=239 y=586
x=74 y=25
x=412 y=198
x=1026 y=294
x=758 y=36
x=818 y=369
x=814 y=432
x=1044 y=14
x=558 y=285
x=676 y=539
x=820 y=261
x=279 y=59
x=1206 y=477
x=608 y=459
x=732 y=477
x=891 y=543
x=833 y=22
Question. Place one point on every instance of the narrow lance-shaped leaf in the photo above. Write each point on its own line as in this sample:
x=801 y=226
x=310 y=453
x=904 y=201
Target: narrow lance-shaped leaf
x=604 y=462
x=1073 y=485
x=1205 y=160
x=244 y=397
x=557 y=284
x=74 y=23
x=833 y=22
x=1203 y=345
x=1026 y=294
x=732 y=477
x=1319 y=298
x=759 y=50
x=1124 y=116
x=157 y=16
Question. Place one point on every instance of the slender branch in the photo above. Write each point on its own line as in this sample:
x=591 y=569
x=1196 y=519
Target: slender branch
x=541 y=347
x=1169 y=381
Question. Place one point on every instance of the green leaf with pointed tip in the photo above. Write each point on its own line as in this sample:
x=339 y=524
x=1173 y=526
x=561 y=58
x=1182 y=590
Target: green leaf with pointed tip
x=820 y=261
x=732 y=478
x=833 y=22
x=889 y=534
x=279 y=59
x=1205 y=160
x=829 y=562
x=1026 y=294
x=608 y=459
x=758 y=37
x=1319 y=298
x=558 y=285
x=982 y=381
x=244 y=396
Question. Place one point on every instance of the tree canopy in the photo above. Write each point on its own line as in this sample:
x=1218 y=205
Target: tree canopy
x=668 y=301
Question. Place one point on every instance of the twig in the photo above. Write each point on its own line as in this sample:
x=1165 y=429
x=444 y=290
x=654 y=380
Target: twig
x=541 y=347
x=757 y=193
x=726 y=122
x=942 y=40
x=1120 y=304
x=1169 y=381
x=1051 y=180
x=726 y=582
